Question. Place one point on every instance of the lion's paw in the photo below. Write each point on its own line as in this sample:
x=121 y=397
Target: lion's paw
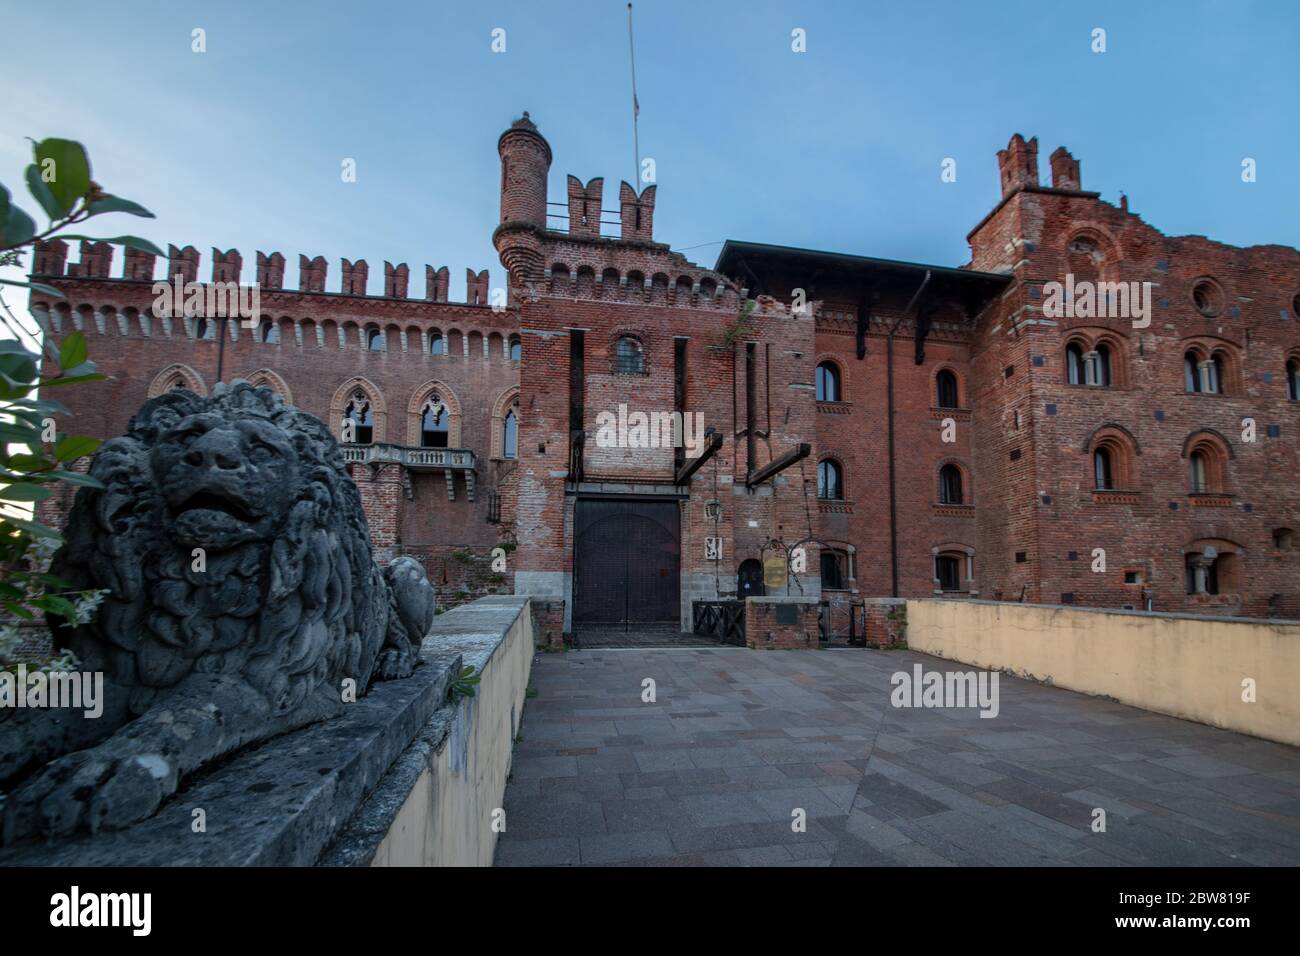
x=88 y=790
x=394 y=664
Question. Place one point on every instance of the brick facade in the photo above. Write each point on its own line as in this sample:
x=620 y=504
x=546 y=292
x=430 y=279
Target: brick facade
x=740 y=346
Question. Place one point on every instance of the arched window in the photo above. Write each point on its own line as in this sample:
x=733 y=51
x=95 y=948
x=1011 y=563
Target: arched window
x=629 y=357
x=434 y=422
x=374 y=340
x=268 y=333
x=828 y=382
x=1074 y=363
x=1199 y=466
x=516 y=349
x=510 y=433
x=1213 y=379
x=361 y=417
x=1203 y=573
x=830 y=480
x=1103 y=474
x=1293 y=380
x=437 y=344
x=947 y=571
x=201 y=328
x=945 y=384
x=1192 y=372
x=1101 y=366
x=950 y=492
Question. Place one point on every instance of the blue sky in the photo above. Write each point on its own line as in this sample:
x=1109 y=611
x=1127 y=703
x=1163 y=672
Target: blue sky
x=836 y=148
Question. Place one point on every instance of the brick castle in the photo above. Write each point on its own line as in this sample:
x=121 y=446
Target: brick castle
x=882 y=427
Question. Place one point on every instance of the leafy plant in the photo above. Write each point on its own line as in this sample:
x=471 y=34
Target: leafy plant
x=59 y=180
x=732 y=332
x=464 y=684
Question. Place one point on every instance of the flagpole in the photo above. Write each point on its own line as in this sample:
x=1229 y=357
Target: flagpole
x=636 y=109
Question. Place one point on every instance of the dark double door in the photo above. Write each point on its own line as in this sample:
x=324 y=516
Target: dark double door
x=627 y=562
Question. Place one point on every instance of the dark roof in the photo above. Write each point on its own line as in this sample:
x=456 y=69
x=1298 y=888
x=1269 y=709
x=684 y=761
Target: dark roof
x=739 y=260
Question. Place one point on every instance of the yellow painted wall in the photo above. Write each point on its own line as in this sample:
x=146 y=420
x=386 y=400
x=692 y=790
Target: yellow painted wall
x=1184 y=666
x=447 y=817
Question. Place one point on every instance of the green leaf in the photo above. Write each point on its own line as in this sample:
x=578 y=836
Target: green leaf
x=40 y=287
x=77 y=478
x=17 y=228
x=72 y=447
x=133 y=242
x=24 y=493
x=40 y=191
x=18 y=367
x=56 y=605
x=118 y=204
x=30 y=464
x=34 y=527
x=64 y=166
x=23 y=433
x=73 y=379
x=72 y=351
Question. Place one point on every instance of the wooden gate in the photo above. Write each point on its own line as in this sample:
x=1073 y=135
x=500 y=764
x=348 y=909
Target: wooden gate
x=626 y=562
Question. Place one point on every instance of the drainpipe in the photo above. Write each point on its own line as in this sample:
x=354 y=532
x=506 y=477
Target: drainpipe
x=221 y=347
x=893 y=484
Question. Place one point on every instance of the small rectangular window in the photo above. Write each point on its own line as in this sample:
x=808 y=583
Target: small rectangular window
x=1021 y=557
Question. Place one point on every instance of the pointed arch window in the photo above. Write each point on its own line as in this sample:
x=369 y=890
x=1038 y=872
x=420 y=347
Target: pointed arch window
x=359 y=413
x=510 y=433
x=435 y=422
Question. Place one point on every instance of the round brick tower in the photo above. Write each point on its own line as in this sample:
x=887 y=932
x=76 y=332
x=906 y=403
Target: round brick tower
x=525 y=163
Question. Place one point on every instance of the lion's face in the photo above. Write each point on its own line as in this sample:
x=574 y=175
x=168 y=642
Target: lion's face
x=224 y=482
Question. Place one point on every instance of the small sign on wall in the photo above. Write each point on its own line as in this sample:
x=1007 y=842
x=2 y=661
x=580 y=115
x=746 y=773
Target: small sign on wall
x=712 y=549
x=774 y=572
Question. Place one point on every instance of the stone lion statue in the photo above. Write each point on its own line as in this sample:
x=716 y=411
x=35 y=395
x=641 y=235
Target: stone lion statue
x=244 y=602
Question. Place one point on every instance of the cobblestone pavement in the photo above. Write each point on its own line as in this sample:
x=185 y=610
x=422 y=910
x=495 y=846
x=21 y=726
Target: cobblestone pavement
x=711 y=773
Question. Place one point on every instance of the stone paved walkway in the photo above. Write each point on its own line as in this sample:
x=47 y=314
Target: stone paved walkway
x=711 y=772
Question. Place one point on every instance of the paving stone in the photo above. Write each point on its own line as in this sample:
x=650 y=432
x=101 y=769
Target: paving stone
x=709 y=774
x=617 y=847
